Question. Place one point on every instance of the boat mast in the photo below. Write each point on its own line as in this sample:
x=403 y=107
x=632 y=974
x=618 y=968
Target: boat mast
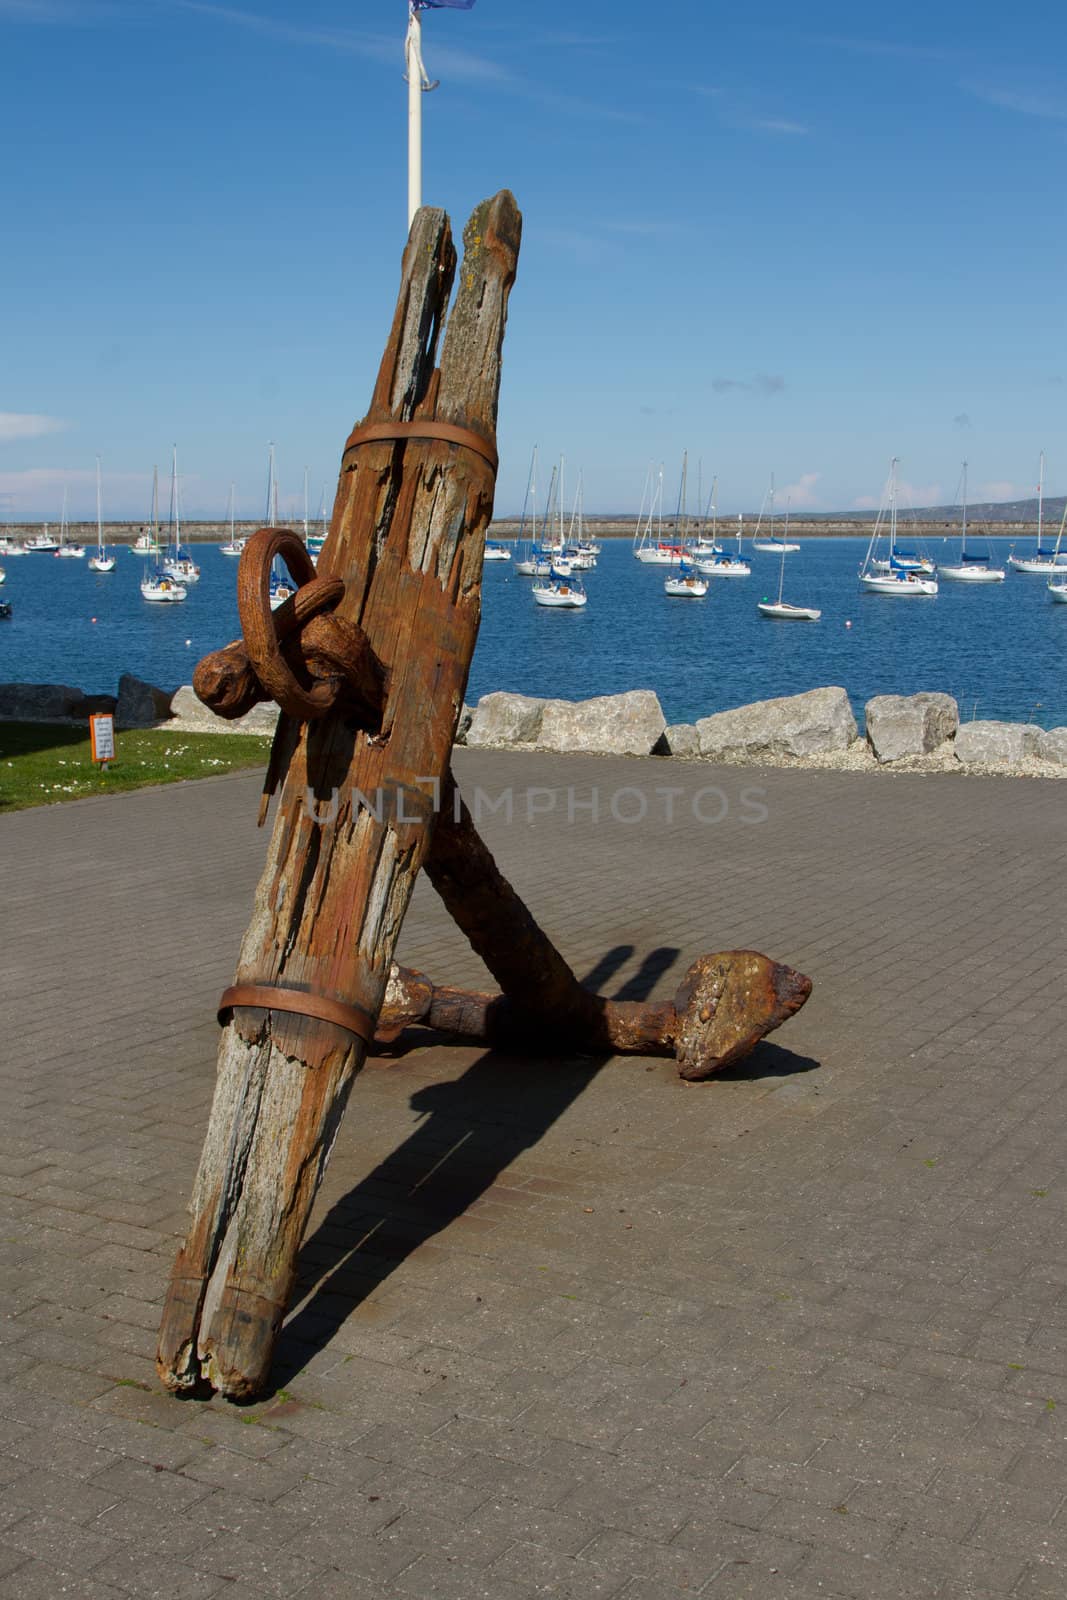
x=232 y=488
x=176 y=515
x=99 y=525
x=680 y=515
x=305 y=505
x=155 y=505
x=1040 y=497
x=963 y=542
x=272 y=492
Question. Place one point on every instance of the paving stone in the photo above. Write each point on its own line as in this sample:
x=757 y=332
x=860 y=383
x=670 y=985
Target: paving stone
x=816 y=1312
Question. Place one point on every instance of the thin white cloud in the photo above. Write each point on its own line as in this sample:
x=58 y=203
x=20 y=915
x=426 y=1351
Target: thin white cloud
x=801 y=494
x=37 y=493
x=1002 y=489
x=1025 y=101
x=460 y=64
x=53 y=13
x=777 y=125
x=28 y=425
x=887 y=47
x=918 y=495
x=763 y=383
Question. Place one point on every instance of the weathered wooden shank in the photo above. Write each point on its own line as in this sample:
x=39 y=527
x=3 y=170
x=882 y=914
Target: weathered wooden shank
x=406 y=540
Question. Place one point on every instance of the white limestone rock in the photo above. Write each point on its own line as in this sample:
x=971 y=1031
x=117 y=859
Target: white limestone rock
x=611 y=724
x=1052 y=746
x=505 y=719
x=807 y=724
x=192 y=716
x=993 y=743
x=679 y=739
x=909 y=725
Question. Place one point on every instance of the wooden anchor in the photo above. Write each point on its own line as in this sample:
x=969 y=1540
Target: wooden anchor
x=369 y=663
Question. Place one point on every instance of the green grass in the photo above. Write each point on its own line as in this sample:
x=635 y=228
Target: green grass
x=42 y=764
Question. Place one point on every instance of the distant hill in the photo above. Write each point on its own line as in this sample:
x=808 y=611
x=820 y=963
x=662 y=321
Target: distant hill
x=980 y=511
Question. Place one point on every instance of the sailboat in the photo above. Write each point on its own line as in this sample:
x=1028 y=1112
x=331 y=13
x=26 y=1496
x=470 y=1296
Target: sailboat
x=892 y=576
x=101 y=561
x=76 y=552
x=566 y=593
x=686 y=583
x=280 y=589
x=179 y=565
x=1044 y=562
x=579 y=551
x=233 y=546
x=780 y=610
x=772 y=543
x=971 y=568
x=495 y=551
x=536 y=563
x=703 y=547
x=720 y=565
x=147 y=541
x=650 y=547
x=315 y=541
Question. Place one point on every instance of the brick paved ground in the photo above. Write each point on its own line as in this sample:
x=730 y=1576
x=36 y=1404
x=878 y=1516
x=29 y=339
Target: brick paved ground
x=565 y=1328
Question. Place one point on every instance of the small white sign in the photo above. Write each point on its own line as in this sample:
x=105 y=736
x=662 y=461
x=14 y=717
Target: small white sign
x=102 y=737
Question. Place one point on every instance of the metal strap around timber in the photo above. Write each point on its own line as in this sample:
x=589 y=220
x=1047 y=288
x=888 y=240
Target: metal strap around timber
x=352 y=1018
x=387 y=432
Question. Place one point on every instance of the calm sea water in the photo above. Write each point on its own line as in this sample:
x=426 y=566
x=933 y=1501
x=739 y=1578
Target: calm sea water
x=1000 y=649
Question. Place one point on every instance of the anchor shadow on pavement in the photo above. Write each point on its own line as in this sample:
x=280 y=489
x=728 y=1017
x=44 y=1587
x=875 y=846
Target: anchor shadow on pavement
x=474 y=1128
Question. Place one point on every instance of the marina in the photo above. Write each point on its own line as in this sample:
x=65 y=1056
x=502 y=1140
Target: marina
x=999 y=648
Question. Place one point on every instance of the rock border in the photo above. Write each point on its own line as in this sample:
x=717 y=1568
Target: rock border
x=815 y=730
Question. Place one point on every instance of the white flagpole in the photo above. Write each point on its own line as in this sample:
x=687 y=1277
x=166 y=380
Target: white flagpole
x=413 y=56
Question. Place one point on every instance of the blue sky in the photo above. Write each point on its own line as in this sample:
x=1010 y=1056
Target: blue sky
x=799 y=244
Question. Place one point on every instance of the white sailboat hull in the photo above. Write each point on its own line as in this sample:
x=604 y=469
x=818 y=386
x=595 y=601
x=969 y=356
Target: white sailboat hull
x=497 y=554
x=657 y=556
x=1038 y=567
x=773 y=546
x=163 y=591
x=782 y=611
x=686 y=588
x=975 y=574
x=724 y=569
x=562 y=596
x=1058 y=591
x=908 y=587
x=102 y=563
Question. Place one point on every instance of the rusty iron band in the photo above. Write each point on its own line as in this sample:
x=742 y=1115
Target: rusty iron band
x=352 y=1018
x=387 y=432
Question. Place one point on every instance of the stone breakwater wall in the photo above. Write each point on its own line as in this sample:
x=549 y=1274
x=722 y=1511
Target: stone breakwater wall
x=912 y=733
x=920 y=732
